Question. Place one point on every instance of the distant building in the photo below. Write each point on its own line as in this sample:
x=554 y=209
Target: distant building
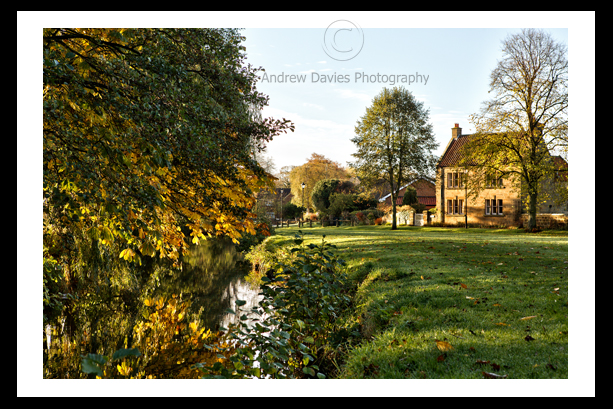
x=271 y=202
x=426 y=193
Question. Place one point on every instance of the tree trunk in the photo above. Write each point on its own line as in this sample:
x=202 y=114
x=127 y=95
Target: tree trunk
x=393 y=212
x=532 y=211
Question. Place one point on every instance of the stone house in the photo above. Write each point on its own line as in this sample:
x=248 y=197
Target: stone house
x=497 y=204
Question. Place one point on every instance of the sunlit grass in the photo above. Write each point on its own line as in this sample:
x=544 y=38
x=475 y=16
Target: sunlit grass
x=499 y=297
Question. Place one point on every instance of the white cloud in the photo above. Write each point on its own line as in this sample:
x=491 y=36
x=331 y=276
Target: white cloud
x=307 y=104
x=322 y=136
x=347 y=93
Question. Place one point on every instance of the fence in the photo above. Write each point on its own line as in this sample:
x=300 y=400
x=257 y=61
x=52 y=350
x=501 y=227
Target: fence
x=310 y=223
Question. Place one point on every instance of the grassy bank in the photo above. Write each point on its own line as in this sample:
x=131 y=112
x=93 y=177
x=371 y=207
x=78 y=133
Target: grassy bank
x=438 y=303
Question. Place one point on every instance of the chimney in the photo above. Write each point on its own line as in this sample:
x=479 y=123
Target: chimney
x=456 y=131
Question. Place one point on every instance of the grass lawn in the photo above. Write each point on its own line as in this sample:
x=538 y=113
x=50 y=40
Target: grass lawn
x=436 y=303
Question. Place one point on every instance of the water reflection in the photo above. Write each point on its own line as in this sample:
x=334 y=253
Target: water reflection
x=212 y=279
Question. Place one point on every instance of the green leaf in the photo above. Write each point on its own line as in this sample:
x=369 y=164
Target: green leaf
x=122 y=353
x=321 y=376
x=308 y=371
x=92 y=363
x=240 y=302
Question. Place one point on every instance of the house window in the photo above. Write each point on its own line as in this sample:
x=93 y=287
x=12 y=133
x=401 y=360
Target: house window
x=455 y=180
x=493 y=207
x=455 y=206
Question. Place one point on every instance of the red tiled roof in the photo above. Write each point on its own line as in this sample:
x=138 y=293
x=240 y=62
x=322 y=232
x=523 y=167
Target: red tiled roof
x=451 y=157
x=427 y=200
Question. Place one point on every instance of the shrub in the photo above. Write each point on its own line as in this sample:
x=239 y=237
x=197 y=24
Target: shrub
x=295 y=324
x=292 y=211
x=378 y=221
x=410 y=196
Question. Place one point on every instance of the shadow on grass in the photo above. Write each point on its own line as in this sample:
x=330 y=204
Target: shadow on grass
x=494 y=295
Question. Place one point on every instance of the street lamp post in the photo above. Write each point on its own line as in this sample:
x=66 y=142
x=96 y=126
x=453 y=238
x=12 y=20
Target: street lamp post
x=303 y=186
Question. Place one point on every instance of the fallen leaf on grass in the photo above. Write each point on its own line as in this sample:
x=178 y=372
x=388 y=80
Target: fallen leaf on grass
x=443 y=346
x=479 y=362
x=463 y=285
x=529 y=338
x=497 y=305
x=489 y=375
x=502 y=323
x=528 y=318
x=441 y=358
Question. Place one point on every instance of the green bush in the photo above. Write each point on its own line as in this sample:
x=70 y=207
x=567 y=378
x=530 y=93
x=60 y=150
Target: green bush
x=292 y=211
x=294 y=324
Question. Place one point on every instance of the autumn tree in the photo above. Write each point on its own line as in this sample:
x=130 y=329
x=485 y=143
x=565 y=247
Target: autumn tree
x=316 y=168
x=394 y=140
x=148 y=141
x=521 y=130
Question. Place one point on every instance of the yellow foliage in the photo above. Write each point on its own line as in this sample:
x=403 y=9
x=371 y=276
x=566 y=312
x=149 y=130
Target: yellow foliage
x=169 y=345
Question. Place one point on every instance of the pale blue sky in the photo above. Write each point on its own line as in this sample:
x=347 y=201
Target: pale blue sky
x=454 y=65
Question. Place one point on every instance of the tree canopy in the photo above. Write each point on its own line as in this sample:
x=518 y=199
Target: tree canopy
x=147 y=131
x=394 y=140
x=525 y=124
x=316 y=168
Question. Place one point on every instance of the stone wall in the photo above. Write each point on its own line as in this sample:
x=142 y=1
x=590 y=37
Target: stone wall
x=547 y=220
